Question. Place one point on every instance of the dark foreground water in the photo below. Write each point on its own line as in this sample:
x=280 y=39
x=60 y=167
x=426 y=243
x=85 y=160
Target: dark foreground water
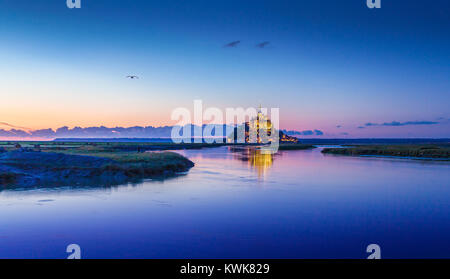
x=297 y=204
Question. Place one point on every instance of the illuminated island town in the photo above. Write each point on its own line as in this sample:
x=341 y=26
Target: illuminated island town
x=259 y=130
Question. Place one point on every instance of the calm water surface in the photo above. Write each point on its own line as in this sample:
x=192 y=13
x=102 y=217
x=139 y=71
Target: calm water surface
x=296 y=204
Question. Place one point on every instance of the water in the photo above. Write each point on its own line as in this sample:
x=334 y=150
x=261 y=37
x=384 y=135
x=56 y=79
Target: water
x=296 y=204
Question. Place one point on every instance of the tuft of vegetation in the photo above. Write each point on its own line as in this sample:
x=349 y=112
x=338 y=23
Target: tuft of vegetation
x=147 y=164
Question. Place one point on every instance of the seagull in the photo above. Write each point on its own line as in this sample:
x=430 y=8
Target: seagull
x=133 y=77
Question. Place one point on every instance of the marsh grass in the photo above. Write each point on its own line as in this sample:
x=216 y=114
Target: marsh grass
x=148 y=163
x=438 y=151
x=85 y=164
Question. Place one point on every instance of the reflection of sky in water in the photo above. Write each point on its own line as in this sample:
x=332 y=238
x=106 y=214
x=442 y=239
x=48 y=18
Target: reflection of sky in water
x=239 y=204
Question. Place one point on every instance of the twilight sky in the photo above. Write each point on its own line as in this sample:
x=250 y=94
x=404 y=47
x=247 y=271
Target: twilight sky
x=330 y=65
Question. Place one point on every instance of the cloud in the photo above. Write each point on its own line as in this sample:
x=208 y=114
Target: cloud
x=304 y=133
x=98 y=132
x=262 y=45
x=19 y=133
x=14 y=126
x=44 y=133
x=361 y=127
x=339 y=126
x=398 y=124
x=233 y=44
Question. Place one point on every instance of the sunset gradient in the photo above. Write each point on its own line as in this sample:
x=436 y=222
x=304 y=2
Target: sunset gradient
x=329 y=65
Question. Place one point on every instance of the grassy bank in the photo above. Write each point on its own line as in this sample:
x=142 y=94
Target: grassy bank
x=147 y=164
x=441 y=151
x=58 y=146
x=86 y=165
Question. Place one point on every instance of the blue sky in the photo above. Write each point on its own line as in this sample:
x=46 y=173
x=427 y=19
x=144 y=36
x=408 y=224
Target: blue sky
x=329 y=63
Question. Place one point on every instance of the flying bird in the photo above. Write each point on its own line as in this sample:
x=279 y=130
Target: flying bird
x=262 y=45
x=233 y=44
x=133 y=77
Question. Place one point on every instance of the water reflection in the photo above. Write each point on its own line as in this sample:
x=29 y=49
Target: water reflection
x=255 y=158
x=306 y=206
x=98 y=185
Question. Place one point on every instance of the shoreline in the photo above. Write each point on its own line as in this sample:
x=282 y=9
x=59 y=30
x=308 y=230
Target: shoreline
x=410 y=152
x=24 y=168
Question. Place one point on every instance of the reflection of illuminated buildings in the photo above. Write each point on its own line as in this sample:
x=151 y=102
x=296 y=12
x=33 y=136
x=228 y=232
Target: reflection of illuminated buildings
x=261 y=162
x=255 y=158
x=259 y=130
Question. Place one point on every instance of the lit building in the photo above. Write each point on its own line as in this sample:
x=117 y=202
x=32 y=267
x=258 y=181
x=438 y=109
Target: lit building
x=259 y=130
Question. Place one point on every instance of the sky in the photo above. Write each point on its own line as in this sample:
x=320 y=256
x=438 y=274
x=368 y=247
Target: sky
x=328 y=65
